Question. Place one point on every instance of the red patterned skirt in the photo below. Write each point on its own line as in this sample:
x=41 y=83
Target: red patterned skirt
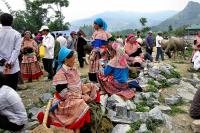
x=111 y=86
x=31 y=70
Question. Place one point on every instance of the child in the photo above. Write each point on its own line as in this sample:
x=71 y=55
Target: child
x=71 y=96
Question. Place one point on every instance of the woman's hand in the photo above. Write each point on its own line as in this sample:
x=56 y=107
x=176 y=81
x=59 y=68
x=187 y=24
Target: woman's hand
x=86 y=98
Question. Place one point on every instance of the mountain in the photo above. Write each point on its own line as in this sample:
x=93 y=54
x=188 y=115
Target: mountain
x=120 y=20
x=189 y=15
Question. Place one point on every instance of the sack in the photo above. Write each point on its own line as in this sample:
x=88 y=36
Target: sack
x=42 y=51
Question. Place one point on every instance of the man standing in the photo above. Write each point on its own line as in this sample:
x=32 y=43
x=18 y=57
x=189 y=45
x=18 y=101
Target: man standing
x=149 y=43
x=139 y=38
x=62 y=40
x=72 y=41
x=159 y=53
x=49 y=44
x=10 y=41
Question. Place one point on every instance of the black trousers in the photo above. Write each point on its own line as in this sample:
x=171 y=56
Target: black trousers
x=48 y=66
x=7 y=125
x=11 y=80
x=81 y=60
x=149 y=51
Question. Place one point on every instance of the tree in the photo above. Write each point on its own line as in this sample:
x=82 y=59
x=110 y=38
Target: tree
x=143 y=21
x=56 y=6
x=56 y=26
x=170 y=29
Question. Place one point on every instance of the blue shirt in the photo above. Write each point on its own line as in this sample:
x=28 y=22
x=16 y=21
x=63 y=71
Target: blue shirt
x=149 y=41
x=120 y=74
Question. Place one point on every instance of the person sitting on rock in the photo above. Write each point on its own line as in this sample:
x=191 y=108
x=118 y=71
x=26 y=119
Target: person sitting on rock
x=133 y=49
x=69 y=108
x=13 y=114
x=114 y=77
x=195 y=106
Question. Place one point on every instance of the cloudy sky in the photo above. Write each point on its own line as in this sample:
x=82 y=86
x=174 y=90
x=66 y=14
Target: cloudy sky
x=79 y=9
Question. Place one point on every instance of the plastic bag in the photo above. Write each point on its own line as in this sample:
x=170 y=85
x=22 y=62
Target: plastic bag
x=42 y=51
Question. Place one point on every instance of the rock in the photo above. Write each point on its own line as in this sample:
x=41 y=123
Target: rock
x=103 y=101
x=31 y=125
x=196 y=126
x=111 y=113
x=121 y=112
x=156 y=76
x=164 y=109
x=172 y=100
x=156 y=114
x=165 y=69
x=168 y=122
x=186 y=90
x=33 y=112
x=143 y=128
x=146 y=95
x=130 y=105
x=154 y=70
x=121 y=128
x=193 y=82
x=118 y=99
x=45 y=97
x=174 y=81
x=143 y=116
x=133 y=116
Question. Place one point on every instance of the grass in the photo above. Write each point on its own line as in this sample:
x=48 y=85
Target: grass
x=177 y=110
x=134 y=126
x=180 y=62
x=164 y=84
x=141 y=107
x=152 y=86
x=152 y=124
x=173 y=74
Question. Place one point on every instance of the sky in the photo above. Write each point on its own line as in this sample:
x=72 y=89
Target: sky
x=79 y=9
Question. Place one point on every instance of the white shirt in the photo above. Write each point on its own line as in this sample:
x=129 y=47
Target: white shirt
x=10 y=45
x=139 y=40
x=62 y=40
x=158 y=40
x=49 y=42
x=11 y=106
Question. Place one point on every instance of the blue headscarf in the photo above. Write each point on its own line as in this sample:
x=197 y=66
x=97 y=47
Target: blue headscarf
x=63 y=53
x=101 y=23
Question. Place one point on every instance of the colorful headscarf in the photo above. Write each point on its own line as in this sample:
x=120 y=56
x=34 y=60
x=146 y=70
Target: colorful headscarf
x=119 y=60
x=130 y=36
x=101 y=23
x=63 y=53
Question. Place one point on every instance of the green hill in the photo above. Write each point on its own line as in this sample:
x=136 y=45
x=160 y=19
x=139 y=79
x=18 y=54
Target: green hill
x=189 y=15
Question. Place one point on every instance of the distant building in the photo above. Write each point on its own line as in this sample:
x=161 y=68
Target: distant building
x=191 y=31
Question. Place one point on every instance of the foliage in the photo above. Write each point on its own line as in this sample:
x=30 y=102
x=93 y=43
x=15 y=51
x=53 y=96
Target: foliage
x=143 y=21
x=141 y=107
x=180 y=31
x=124 y=33
x=152 y=86
x=170 y=28
x=164 y=84
x=173 y=74
x=175 y=110
x=135 y=126
x=152 y=124
x=57 y=26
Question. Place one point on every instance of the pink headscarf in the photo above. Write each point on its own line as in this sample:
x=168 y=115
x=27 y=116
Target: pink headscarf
x=119 y=60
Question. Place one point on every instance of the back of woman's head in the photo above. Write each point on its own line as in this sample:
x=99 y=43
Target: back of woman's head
x=2 y=79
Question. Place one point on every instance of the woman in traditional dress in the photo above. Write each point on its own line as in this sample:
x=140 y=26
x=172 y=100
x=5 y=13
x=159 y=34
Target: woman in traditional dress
x=99 y=44
x=69 y=108
x=114 y=77
x=30 y=67
x=133 y=49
